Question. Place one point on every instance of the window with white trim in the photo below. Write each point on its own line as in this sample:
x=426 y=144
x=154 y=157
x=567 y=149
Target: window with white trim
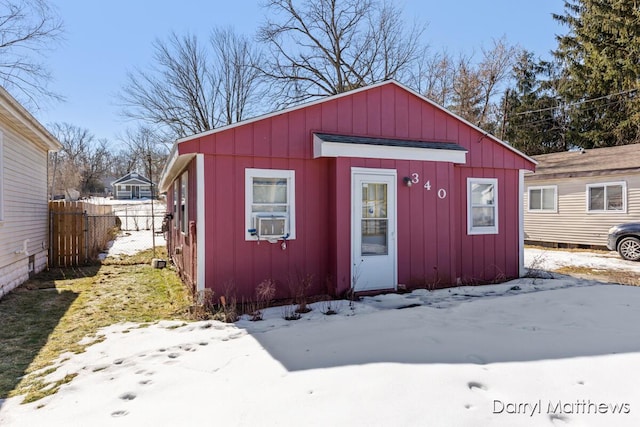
x=482 y=206
x=175 y=204
x=269 y=204
x=184 y=203
x=543 y=199
x=607 y=197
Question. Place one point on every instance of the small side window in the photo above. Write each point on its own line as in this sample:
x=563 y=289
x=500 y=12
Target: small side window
x=607 y=197
x=482 y=206
x=269 y=204
x=184 y=203
x=543 y=199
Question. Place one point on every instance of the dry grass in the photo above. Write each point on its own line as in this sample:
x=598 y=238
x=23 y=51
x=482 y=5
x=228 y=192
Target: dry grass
x=550 y=248
x=49 y=315
x=603 y=275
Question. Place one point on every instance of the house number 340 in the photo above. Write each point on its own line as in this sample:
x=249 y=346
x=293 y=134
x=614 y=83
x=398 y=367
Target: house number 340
x=415 y=179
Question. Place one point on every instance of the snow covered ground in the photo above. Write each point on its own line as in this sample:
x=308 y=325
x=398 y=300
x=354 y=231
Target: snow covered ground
x=529 y=352
x=135 y=218
x=553 y=259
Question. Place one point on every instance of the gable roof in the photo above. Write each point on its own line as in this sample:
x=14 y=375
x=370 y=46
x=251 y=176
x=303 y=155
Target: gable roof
x=132 y=177
x=591 y=162
x=19 y=119
x=176 y=162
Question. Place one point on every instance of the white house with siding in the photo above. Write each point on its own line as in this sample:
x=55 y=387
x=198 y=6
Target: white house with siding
x=132 y=186
x=24 y=218
x=574 y=197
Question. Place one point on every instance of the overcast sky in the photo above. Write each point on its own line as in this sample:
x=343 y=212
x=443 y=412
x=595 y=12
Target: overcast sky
x=104 y=40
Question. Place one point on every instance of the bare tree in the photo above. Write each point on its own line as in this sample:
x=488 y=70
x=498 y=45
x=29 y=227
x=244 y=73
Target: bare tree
x=28 y=28
x=433 y=77
x=192 y=88
x=494 y=69
x=82 y=163
x=178 y=91
x=325 y=47
x=146 y=150
x=235 y=60
x=475 y=86
x=467 y=89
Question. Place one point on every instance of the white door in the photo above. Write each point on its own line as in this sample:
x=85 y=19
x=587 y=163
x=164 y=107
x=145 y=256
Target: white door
x=373 y=207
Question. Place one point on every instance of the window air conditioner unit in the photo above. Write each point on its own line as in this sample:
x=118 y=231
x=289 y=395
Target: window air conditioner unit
x=271 y=226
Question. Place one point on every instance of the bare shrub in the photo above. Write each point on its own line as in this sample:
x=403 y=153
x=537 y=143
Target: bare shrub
x=289 y=312
x=203 y=304
x=535 y=270
x=299 y=285
x=331 y=307
x=265 y=292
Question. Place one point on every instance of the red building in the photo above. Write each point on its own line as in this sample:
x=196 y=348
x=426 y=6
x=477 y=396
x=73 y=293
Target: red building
x=369 y=190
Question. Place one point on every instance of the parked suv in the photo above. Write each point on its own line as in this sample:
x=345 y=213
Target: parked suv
x=625 y=238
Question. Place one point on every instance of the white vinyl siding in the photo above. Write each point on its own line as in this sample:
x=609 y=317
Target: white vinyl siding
x=24 y=198
x=482 y=206
x=543 y=199
x=572 y=223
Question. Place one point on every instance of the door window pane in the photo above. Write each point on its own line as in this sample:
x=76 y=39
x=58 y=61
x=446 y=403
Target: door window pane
x=375 y=237
x=374 y=224
x=374 y=200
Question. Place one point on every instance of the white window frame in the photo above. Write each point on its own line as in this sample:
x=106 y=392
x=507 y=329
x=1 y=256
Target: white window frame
x=290 y=176
x=623 y=184
x=542 y=188
x=471 y=229
x=1 y=176
x=184 y=194
x=176 y=209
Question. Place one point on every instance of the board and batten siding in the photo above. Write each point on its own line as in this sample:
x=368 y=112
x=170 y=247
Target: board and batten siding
x=433 y=246
x=572 y=224
x=25 y=209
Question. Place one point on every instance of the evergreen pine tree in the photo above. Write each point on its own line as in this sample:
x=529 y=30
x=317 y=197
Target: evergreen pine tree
x=534 y=121
x=600 y=55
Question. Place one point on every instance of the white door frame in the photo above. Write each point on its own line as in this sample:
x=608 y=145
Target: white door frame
x=392 y=224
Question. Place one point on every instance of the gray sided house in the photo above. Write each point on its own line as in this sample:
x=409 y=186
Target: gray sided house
x=24 y=211
x=132 y=186
x=574 y=197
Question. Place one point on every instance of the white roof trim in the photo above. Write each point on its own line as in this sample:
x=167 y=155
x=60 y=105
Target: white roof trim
x=323 y=148
x=25 y=122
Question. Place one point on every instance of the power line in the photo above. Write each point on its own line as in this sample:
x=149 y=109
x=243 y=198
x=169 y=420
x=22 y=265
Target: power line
x=550 y=119
x=575 y=103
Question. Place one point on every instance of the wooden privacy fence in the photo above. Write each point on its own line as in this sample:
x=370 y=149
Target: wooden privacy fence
x=78 y=231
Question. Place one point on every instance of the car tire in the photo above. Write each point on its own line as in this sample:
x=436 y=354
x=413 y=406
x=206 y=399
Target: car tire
x=629 y=248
